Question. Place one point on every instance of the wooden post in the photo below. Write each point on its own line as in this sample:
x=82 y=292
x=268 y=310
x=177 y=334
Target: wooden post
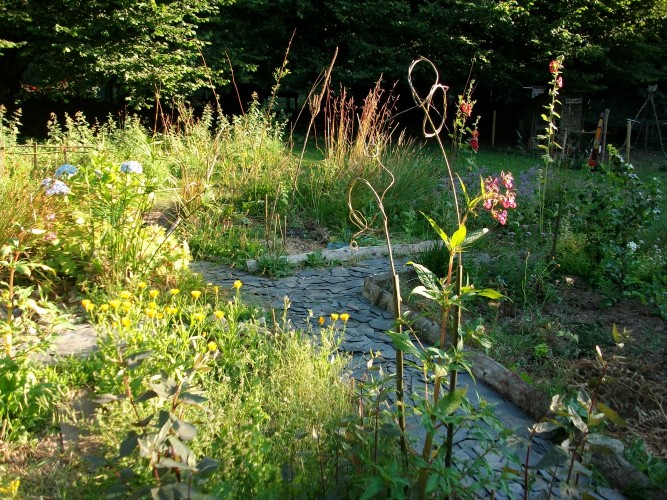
x=493 y=129
x=604 y=135
x=564 y=147
x=628 y=136
x=34 y=155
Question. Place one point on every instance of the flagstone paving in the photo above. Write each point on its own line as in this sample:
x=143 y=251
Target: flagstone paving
x=320 y=292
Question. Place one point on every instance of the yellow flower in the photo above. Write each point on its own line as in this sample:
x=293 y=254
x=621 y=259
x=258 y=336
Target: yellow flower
x=114 y=303
x=212 y=346
x=174 y=291
x=87 y=305
x=171 y=310
x=151 y=313
x=152 y=305
x=195 y=294
x=126 y=322
x=154 y=293
x=141 y=285
x=321 y=320
x=127 y=306
x=334 y=317
x=237 y=284
x=216 y=289
x=199 y=316
x=125 y=295
x=344 y=316
x=104 y=307
x=219 y=314
x=160 y=315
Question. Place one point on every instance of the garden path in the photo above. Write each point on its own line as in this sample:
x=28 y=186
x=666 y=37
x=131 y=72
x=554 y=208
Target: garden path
x=320 y=292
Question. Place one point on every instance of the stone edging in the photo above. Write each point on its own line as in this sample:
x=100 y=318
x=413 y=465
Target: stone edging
x=355 y=253
x=507 y=383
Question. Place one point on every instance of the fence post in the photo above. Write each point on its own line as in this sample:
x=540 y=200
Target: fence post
x=34 y=155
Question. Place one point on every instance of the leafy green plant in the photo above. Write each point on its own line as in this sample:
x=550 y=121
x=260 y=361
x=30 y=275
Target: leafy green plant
x=101 y=234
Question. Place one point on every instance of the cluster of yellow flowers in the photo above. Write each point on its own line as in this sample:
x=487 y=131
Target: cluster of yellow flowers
x=335 y=317
x=125 y=303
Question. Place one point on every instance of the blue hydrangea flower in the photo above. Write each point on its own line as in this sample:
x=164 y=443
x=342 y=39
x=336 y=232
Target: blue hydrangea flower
x=131 y=167
x=54 y=187
x=67 y=170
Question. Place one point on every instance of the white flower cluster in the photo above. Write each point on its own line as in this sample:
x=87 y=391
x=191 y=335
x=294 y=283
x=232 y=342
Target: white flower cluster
x=54 y=187
x=131 y=167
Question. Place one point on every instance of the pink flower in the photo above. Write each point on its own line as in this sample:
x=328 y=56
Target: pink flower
x=474 y=144
x=559 y=82
x=466 y=108
x=501 y=217
x=507 y=180
x=554 y=66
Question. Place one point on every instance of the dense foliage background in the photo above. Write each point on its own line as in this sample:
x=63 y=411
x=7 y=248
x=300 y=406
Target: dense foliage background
x=121 y=52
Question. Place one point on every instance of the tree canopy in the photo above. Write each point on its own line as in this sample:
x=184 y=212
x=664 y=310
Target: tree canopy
x=131 y=51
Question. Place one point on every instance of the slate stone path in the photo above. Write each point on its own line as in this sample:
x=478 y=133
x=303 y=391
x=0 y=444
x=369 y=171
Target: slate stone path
x=320 y=292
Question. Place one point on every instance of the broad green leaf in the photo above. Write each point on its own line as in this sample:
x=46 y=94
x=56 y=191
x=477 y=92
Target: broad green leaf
x=191 y=399
x=403 y=343
x=576 y=419
x=23 y=269
x=181 y=450
x=489 y=293
x=128 y=444
x=547 y=426
x=452 y=401
x=426 y=276
x=134 y=360
x=184 y=430
x=458 y=238
x=437 y=229
x=424 y=292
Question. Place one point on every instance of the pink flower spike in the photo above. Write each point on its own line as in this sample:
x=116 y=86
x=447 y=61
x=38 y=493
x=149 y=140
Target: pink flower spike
x=508 y=180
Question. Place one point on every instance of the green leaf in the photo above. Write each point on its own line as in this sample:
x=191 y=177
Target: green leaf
x=207 y=466
x=128 y=444
x=576 y=419
x=23 y=269
x=145 y=396
x=191 y=399
x=441 y=233
x=163 y=385
x=452 y=401
x=180 y=449
x=458 y=238
x=134 y=360
x=426 y=277
x=403 y=343
x=184 y=430
x=168 y=463
x=613 y=417
x=489 y=293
